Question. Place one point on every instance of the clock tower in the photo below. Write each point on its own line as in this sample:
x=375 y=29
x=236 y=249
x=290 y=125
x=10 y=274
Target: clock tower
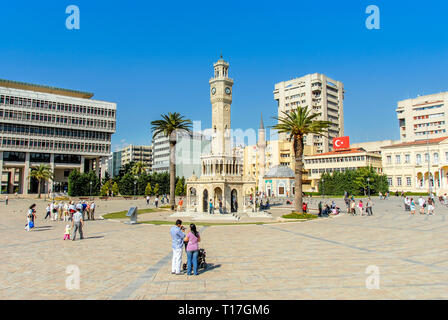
x=221 y=99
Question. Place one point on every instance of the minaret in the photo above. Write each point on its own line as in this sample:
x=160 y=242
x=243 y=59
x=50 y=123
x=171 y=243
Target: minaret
x=221 y=99
x=261 y=155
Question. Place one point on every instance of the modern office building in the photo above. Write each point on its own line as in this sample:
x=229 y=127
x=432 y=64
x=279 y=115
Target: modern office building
x=114 y=163
x=134 y=153
x=189 y=148
x=322 y=95
x=423 y=117
x=339 y=160
x=160 y=154
x=417 y=166
x=65 y=129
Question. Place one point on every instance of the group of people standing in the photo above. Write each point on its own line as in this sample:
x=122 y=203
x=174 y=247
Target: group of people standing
x=360 y=207
x=190 y=241
x=64 y=211
x=410 y=205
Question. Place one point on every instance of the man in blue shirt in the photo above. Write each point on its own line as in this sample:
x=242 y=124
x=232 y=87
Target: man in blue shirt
x=177 y=237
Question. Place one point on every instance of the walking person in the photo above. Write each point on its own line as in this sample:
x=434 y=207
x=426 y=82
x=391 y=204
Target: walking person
x=220 y=207
x=78 y=224
x=147 y=200
x=193 y=238
x=180 y=204
x=422 y=204
x=361 y=207
x=66 y=214
x=92 y=210
x=353 y=207
x=31 y=216
x=48 y=211
x=177 y=237
x=369 y=206
x=6 y=200
x=156 y=201
x=210 y=206
x=412 y=206
x=84 y=210
x=71 y=209
x=430 y=206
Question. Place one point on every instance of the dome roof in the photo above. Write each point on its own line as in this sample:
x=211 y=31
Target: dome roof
x=280 y=172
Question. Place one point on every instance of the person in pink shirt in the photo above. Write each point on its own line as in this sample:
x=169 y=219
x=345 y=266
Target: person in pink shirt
x=193 y=238
x=361 y=207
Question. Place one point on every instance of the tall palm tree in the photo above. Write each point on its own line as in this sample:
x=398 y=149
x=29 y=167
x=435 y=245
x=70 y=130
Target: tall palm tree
x=42 y=173
x=298 y=123
x=138 y=168
x=168 y=126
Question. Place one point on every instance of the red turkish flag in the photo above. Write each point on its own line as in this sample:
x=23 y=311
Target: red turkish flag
x=341 y=143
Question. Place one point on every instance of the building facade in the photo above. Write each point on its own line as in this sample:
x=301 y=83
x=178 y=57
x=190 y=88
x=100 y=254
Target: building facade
x=114 y=163
x=62 y=128
x=160 y=154
x=417 y=166
x=423 y=117
x=322 y=95
x=134 y=153
x=339 y=160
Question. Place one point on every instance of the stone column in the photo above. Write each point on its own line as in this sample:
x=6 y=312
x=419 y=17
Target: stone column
x=26 y=173
x=83 y=160
x=51 y=182
x=97 y=166
x=103 y=167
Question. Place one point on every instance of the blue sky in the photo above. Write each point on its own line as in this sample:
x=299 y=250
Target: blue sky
x=153 y=57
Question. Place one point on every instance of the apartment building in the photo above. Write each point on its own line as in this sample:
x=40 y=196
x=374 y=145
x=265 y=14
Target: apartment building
x=320 y=94
x=133 y=153
x=63 y=128
x=424 y=117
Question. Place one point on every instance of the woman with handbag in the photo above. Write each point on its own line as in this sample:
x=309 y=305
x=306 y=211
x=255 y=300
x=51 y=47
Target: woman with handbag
x=193 y=239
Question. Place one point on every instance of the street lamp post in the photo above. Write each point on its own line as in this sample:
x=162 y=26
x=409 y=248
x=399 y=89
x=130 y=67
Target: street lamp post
x=90 y=194
x=323 y=190
x=429 y=160
x=368 y=186
x=135 y=184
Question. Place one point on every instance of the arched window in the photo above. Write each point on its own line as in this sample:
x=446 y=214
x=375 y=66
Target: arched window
x=426 y=157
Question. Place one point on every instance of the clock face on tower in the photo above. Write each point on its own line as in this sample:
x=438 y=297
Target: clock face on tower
x=213 y=90
x=227 y=90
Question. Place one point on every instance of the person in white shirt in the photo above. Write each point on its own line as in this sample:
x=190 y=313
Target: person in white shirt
x=422 y=204
x=77 y=224
x=92 y=210
x=54 y=214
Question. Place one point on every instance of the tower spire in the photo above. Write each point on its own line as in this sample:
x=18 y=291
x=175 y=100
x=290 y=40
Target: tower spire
x=261 y=122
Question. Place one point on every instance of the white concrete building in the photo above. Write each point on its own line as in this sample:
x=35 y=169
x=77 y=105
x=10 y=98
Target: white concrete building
x=423 y=117
x=417 y=166
x=133 y=153
x=65 y=129
x=322 y=95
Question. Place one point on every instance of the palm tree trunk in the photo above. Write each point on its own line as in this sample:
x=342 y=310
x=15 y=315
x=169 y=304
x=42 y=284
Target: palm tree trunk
x=172 y=174
x=38 y=189
x=298 y=153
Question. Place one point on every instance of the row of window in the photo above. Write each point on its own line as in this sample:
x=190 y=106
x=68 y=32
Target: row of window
x=423 y=133
x=53 y=132
x=56 y=106
x=435 y=115
x=399 y=182
x=428 y=108
x=418 y=158
x=428 y=124
x=41 y=157
x=341 y=159
x=56 y=119
x=53 y=145
x=329 y=170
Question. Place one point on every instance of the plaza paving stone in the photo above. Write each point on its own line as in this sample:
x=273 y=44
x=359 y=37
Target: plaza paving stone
x=320 y=259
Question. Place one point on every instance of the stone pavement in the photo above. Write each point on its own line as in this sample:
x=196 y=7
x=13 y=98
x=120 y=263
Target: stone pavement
x=320 y=259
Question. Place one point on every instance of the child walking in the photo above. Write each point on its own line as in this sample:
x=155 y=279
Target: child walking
x=67 y=232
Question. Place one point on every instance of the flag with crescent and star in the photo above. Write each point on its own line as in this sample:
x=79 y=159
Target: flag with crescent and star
x=341 y=143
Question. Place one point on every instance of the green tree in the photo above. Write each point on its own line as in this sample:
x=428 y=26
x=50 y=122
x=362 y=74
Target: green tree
x=156 y=189
x=115 y=189
x=126 y=185
x=298 y=123
x=41 y=173
x=148 y=189
x=168 y=126
x=179 y=188
x=138 y=168
x=105 y=189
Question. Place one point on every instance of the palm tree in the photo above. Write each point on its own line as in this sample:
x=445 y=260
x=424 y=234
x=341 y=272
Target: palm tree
x=41 y=173
x=168 y=126
x=138 y=168
x=298 y=123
